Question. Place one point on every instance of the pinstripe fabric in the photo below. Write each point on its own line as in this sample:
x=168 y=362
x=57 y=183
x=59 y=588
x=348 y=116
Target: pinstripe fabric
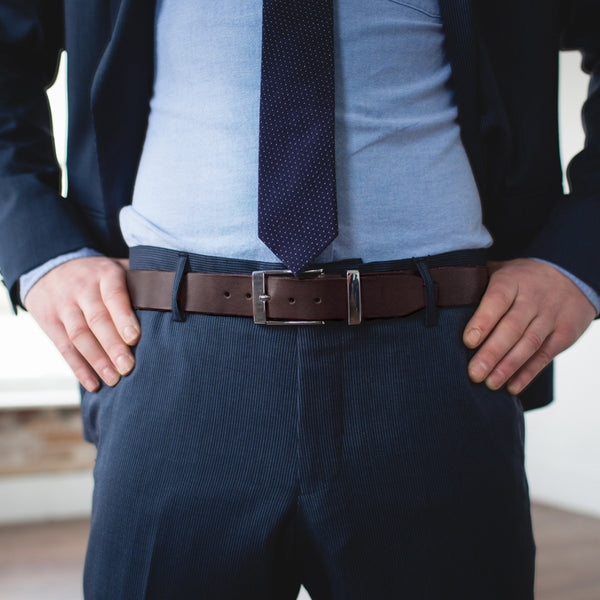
x=239 y=461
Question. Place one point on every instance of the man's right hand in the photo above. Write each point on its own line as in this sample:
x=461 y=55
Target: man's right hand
x=84 y=308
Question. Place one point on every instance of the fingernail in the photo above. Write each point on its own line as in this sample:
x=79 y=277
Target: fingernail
x=110 y=376
x=130 y=333
x=514 y=388
x=91 y=385
x=473 y=337
x=477 y=371
x=124 y=364
x=494 y=381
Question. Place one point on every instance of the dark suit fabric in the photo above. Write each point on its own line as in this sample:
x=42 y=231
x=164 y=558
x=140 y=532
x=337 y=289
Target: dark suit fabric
x=504 y=59
x=239 y=461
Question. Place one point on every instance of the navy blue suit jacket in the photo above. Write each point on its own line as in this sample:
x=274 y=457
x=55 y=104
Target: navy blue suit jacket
x=504 y=57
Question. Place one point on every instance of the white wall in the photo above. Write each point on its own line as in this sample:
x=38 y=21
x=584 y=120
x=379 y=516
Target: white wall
x=32 y=371
x=563 y=441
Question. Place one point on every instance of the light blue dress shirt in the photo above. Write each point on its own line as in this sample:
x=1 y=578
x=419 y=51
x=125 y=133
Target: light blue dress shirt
x=405 y=187
x=404 y=183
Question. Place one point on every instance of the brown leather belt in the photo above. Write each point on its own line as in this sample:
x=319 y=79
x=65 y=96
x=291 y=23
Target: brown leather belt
x=275 y=297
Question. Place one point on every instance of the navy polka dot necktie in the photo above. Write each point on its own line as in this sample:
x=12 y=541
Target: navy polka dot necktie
x=297 y=212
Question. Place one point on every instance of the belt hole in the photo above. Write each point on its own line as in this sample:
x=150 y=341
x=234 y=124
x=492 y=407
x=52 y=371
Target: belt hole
x=292 y=300
x=227 y=295
x=248 y=295
x=318 y=300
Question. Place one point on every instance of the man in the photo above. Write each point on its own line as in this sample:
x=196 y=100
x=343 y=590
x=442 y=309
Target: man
x=241 y=460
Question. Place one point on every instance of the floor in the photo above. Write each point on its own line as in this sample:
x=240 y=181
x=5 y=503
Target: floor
x=44 y=561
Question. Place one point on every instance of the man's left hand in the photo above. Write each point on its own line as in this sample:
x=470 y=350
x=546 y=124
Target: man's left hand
x=529 y=313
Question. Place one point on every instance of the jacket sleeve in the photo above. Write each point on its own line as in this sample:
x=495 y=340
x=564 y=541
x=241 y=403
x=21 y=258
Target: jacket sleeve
x=36 y=222
x=572 y=237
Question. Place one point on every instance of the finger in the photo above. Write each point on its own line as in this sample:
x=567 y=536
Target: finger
x=496 y=301
x=103 y=328
x=82 y=370
x=89 y=347
x=505 y=335
x=527 y=346
x=542 y=358
x=115 y=297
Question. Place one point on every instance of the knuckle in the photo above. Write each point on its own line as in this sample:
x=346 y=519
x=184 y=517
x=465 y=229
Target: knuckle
x=502 y=277
x=500 y=294
x=77 y=331
x=65 y=347
x=545 y=356
x=110 y=269
x=562 y=339
x=534 y=339
x=503 y=370
x=530 y=302
x=550 y=310
x=512 y=328
x=81 y=372
x=52 y=325
x=51 y=312
x=102 y=365
x=489 y=357
x=484 y=320
x=560 y=344
x=114 y=293
x=510 y=365
x=115 y=350
x=500 y=274
x=516 y=364
x=97 y=318
x=524 y=377
x=565 y=333
x=80 y=284
x=53 y=321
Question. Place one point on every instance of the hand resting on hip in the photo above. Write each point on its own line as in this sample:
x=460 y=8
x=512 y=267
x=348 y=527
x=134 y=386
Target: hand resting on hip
x=84 y=308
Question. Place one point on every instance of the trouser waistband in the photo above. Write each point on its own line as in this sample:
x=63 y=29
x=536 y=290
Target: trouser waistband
x=164 y=259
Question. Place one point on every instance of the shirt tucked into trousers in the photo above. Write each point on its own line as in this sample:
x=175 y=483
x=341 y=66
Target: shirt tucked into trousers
x=243 y=461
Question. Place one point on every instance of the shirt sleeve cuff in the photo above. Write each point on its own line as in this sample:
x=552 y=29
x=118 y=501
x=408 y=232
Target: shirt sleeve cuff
x=27 y=280
x=588 y=292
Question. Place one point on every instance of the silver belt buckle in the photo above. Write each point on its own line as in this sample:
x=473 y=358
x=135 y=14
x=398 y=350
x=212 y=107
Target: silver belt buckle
x=260 y=297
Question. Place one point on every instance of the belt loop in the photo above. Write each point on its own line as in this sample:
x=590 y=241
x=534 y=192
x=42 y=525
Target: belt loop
x=182 y=265
x=431 y=313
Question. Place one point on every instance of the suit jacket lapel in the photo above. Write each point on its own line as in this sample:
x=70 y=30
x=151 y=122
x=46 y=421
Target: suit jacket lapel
x=121 y=92
x=461 y=47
